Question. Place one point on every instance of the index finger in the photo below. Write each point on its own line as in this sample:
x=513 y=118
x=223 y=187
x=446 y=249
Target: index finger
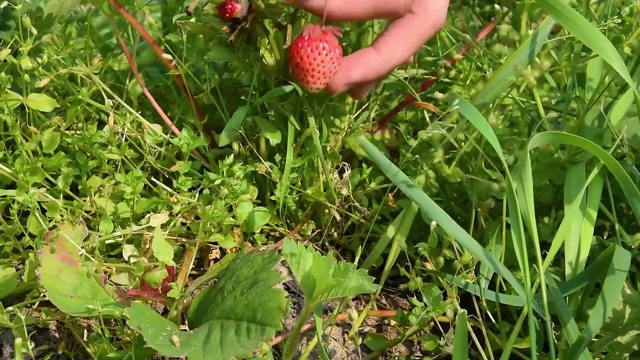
x=354 y=10
x=400 y=40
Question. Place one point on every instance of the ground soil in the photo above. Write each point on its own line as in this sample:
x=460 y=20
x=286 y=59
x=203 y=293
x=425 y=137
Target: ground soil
x=48 y=340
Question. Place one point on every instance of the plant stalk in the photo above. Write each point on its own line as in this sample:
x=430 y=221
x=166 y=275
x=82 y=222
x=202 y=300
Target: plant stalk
x=293 y=340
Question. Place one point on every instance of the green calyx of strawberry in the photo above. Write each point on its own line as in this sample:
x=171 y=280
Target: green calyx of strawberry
x=230 y=10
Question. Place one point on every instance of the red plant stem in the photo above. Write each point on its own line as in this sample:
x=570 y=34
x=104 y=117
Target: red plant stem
x=151 y=99
x=146 y=92
x=168 y=63
x=431 y=80
x=291 y=234
x=186 y=267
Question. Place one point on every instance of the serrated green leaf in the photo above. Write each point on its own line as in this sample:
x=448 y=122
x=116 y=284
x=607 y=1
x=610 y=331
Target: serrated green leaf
x=228 y=319
x=41 y=102
x=158 y=332
x=71 y=286
x=322 y=278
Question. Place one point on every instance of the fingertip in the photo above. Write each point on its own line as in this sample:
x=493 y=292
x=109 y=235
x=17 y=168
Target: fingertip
x=336 y=86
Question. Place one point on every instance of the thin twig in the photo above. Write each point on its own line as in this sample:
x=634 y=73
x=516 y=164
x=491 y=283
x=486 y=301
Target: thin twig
x=291 y=234
x=146 y=92
x=192 y=7
x=430 y=81
x=341 y=317
x=169 y=64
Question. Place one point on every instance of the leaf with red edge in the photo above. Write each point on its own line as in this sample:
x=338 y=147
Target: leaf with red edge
x=71 y=285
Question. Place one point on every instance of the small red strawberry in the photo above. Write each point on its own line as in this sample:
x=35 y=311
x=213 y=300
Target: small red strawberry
x=314 y=56
x=233 y=9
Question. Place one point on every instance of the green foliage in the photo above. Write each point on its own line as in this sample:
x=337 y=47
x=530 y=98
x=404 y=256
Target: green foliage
x=71 y=285
x=226 y=320
x=321 y=278
x=503 y=207
x=8 y=281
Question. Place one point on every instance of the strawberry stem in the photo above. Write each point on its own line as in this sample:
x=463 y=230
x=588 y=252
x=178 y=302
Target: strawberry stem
x=324 y=12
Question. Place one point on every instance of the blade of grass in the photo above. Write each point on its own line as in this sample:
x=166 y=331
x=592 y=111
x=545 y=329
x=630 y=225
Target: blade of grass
x=317 y=320
x=519 y=60
x=594 y=196
x=615 y=277
x=283 y=184
x=383 y=242
x=569 y=326
x=231 y=129
x=461 y=337
x=584 y=278
x=574 y=181
x=435 y=212
x=627 y=185
x=589 y=35
x=521 y=212
x=565 y=225
x=315 y=134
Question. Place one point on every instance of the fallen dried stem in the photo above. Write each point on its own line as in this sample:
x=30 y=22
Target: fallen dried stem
x=341 y=317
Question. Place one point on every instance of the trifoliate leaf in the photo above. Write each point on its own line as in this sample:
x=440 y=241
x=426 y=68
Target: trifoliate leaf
x=321 y=278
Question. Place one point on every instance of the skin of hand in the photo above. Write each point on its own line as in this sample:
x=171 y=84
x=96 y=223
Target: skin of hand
x=412 y=23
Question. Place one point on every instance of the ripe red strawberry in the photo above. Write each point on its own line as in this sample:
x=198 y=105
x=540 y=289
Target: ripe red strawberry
x=315 y=55
x=233 y=9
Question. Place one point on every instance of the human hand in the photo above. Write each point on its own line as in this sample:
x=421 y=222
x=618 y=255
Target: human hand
x=413 y=23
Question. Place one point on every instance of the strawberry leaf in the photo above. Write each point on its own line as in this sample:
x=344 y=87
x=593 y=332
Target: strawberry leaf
x=229 y=319
x=322 y=278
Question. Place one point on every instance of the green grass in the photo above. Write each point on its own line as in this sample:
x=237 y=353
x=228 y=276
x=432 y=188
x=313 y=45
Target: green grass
x=509 y=219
